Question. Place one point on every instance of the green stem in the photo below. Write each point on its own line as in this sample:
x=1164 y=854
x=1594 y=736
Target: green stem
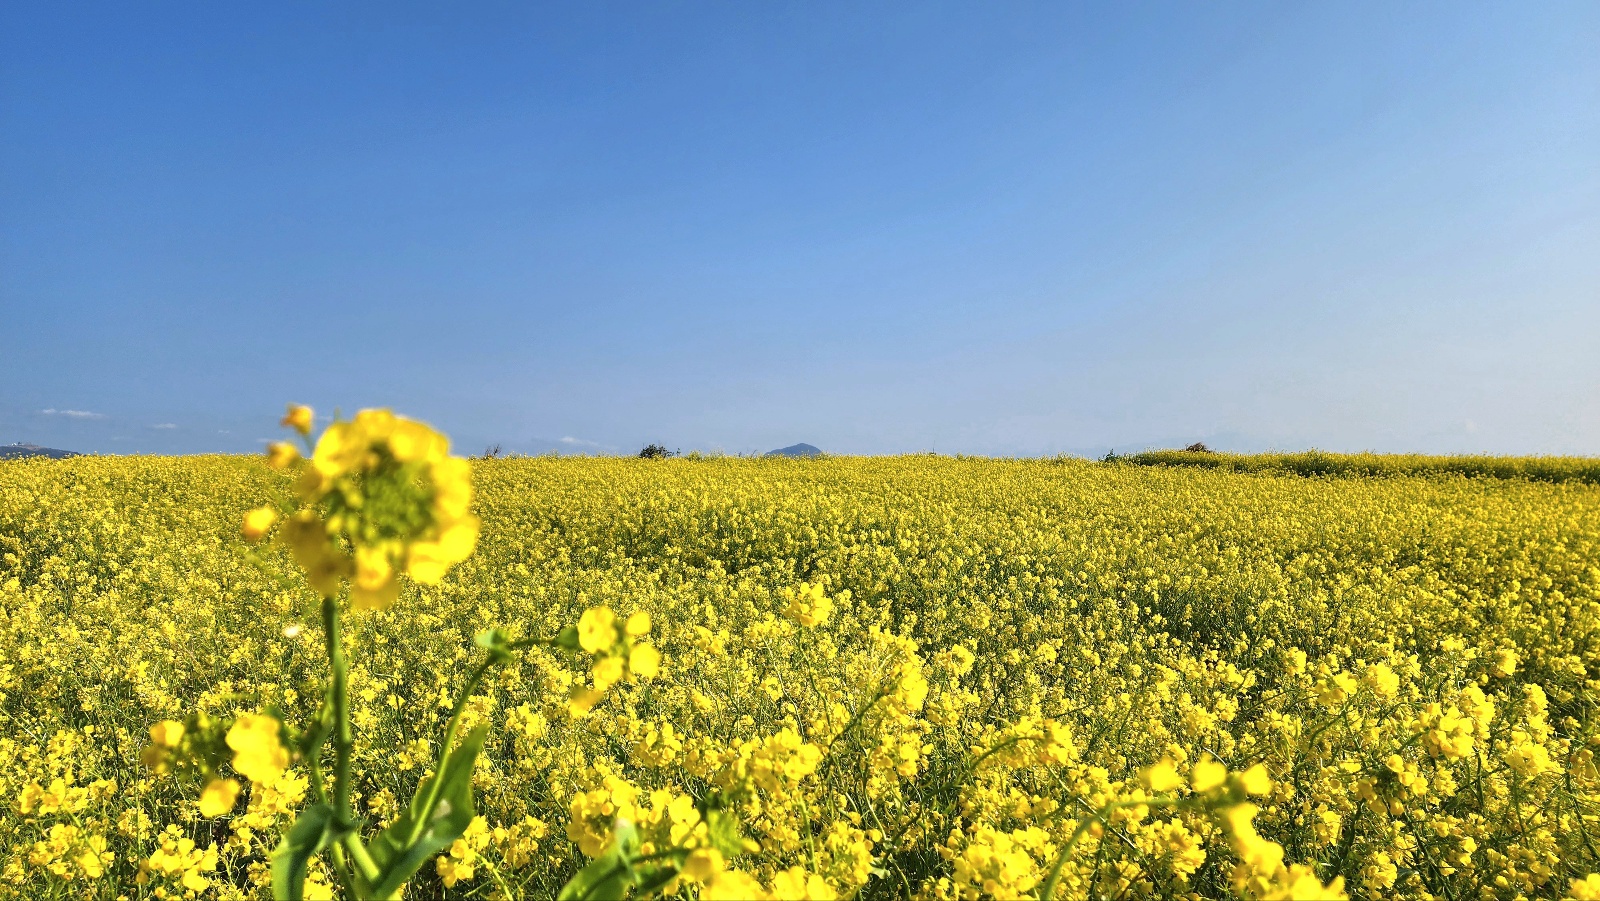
x=341 y=871
x=343 y=739
x=339 y=694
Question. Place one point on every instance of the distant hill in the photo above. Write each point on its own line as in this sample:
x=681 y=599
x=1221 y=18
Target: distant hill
x=16 y=451
x=796 y=450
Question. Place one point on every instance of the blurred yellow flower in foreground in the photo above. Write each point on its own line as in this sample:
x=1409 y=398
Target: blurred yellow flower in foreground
x=299 y=418
x=381 y=497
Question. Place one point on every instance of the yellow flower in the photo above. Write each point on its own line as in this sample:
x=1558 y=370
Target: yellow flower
x=373 y=567
x=795 y=884
x=306 y=537
x=282 y=455
x=702 y=864
x=1160 y=777
x=638 y=624
x=218 y=797
x=644 y=661
x=733 y=885
x=298 y=418
x=257 y=522
x=1300 y=883
x=1207 y=775
x=607 y=672
x=378 y=425
x=1505 y=662
x=92 y=857
x=342 y=447
x=597 y=629
x=581 y=700
x=258 y=753
x=1585 y=889
x=167 y=733
x=1381 y=679
x=410 y=441
x=452 y=485
x=1255 y=780
x=1261 y=855
x=428 y=561
x=379 y=598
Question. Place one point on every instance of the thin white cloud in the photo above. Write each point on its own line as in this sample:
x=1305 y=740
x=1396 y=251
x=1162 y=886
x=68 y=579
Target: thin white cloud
x=75 y=414
x=165 y=425
x=568 y=439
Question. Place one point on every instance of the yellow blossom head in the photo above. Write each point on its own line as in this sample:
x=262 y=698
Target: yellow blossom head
x=1160 y=777
x=258 y=750
x=597 y=629
x=299 y=418
x=382 y=497
x=257 y=522
x=1207 y=775
x=282 y=455
x=218 y=797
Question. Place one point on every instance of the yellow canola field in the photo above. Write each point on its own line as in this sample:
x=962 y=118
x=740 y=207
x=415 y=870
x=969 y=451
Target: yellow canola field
x=932 y=669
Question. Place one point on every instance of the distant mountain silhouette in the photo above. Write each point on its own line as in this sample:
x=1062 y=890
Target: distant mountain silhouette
x=795 y=450
x=17 y=451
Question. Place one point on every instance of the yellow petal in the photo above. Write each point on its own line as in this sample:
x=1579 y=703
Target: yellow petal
x=299 y=418
x=167 y=733
x=426 y=563
x=597 y=629
x=607 y=672
x=702 y=864
x=379 y=598
x=452 y=485
x=340 y=448
x=581 y=700
x=282 y=455
x=459 y=538
x=218 y=797
x=1256 y=781
x=413 y=441
x=644 y=661
x=1161 y=777
x=257 y=522
x=1207 y=775
x=376 y=425
x=373 y=568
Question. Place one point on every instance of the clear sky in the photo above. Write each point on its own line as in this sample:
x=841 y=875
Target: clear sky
x=877 y=228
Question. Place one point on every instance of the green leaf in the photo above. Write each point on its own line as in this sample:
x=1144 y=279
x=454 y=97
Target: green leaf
x=655 y=881
x=315 y=829
x=605 y=879
x=609 y=876
x=396 y=856
x=568 y=638
x=725 y=833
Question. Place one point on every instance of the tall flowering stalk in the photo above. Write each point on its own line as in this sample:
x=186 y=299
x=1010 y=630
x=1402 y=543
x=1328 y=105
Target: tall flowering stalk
x=380 y=499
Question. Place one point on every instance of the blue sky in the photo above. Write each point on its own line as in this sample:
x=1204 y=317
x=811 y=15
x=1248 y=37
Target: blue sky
x=878 y=228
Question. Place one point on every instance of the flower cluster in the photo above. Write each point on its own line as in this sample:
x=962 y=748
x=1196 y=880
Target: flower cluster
x=253 y=742
x=380 y=496
x=617 y=656
x=809 y=604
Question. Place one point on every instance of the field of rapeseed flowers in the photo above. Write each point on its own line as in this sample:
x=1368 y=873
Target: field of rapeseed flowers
x=877 y=677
